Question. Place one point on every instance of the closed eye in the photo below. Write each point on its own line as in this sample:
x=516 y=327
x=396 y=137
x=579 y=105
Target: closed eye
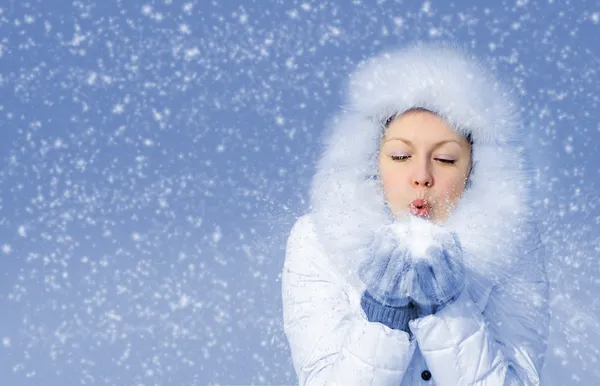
x=405 y=157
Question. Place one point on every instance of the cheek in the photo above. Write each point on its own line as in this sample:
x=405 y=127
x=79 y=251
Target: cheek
x=391 y=181
x=451 y=188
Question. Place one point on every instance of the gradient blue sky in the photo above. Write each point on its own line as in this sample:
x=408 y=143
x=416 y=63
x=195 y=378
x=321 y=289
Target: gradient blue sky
x=155 y=155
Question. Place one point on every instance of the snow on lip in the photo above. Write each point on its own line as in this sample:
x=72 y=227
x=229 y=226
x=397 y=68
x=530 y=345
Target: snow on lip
x=420 y=208
x=419 y=203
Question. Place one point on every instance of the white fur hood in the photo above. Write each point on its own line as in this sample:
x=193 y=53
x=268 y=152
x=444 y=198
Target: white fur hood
x=493 y=219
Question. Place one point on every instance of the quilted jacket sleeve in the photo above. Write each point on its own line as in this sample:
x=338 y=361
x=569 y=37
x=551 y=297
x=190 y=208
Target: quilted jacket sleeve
x=330 y=343
x=503 y=346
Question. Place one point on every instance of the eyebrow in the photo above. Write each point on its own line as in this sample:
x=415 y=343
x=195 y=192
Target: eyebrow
x=437 y=144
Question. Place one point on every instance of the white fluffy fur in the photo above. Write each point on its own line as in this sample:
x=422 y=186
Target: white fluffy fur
x=492 y=219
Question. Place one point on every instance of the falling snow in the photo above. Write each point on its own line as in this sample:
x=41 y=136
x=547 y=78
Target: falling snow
x=156 y=155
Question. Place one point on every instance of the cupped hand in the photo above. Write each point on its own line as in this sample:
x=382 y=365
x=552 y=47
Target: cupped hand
x=387 y=271
x=414 y=261
x=440 y=272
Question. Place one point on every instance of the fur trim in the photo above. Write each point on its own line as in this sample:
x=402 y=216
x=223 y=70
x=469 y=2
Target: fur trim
x=492 y=219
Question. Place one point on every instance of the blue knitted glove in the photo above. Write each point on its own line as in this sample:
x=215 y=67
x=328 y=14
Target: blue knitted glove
x=414 y=269
x=440 y=273
x=386 y=298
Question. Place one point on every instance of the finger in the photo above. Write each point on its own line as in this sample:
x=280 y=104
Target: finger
x=372 y=269
x=426 y=282
x=400 y=257
x=452 y=282
x=364 y=270
x=437 y=261
x=380 y=277
x=456 y=267
x=388 y=277
x=453 y=247
x=447 y=275
x=400 y=289
x=444 y=264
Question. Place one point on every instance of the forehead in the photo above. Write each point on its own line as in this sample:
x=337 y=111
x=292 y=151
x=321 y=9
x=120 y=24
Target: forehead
x=425 y=125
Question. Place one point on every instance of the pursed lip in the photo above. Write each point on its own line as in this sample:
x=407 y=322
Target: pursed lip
x=420 y=207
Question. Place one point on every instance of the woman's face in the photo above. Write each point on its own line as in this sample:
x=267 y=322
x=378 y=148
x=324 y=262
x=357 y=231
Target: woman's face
x=421 y=157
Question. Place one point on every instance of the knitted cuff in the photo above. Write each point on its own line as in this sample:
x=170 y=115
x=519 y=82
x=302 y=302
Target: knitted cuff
x=396 y=318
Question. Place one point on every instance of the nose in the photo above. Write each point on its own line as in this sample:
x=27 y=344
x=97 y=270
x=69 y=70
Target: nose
x=422 y=176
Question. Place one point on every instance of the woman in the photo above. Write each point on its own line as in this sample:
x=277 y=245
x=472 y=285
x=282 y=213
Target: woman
x=420 y=262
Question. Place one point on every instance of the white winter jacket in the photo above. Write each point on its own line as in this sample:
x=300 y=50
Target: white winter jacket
x=495 y=333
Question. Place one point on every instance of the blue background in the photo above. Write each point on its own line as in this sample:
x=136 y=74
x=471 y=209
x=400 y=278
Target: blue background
x=156 y=154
